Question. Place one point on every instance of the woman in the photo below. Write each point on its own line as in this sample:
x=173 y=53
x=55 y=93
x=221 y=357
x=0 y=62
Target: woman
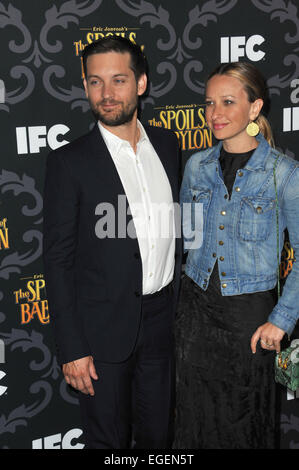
x=230 y=323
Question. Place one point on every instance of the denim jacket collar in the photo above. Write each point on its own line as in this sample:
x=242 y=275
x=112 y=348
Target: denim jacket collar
x=257 y=160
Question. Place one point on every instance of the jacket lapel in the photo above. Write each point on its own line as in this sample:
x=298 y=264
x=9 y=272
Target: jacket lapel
x=102 y=162
x=162 y=149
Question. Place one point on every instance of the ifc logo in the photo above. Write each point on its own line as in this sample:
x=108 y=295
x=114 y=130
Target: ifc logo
x=32 y=139
x=232 y=48
x=2 y=387
x=291 y=114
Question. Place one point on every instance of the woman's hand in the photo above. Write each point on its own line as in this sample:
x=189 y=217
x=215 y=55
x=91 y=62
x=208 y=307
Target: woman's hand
x=269 y=335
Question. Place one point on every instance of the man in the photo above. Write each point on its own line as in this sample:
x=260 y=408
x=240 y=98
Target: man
x=112 y=294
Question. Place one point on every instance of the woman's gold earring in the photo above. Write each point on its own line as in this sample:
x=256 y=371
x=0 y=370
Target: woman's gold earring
x=252 y=129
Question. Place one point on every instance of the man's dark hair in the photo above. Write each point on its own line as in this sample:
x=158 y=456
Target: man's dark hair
x=121 y=45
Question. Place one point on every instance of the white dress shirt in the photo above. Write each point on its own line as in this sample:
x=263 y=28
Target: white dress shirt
x=150 y=200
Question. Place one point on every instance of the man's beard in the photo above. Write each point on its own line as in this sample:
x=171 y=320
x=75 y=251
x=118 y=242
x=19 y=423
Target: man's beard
x=124 y=116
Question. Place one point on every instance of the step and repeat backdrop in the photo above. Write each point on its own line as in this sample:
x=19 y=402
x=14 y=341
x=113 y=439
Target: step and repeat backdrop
x=43 y=106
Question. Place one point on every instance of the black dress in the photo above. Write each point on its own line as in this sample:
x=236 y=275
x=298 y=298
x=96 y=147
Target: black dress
x=225 y=394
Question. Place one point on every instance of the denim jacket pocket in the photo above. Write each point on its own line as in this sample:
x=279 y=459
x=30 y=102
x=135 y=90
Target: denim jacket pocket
x=255 y=218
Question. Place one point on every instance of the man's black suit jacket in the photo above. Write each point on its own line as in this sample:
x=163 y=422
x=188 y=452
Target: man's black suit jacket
x=94 y=286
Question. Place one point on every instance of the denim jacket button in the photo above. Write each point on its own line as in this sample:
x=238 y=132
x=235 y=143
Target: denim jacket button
x=237 y=189
x=259 y=210
x=221 y=227
x=224 y=285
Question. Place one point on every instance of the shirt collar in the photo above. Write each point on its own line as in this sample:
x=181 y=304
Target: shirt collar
x=114 y=142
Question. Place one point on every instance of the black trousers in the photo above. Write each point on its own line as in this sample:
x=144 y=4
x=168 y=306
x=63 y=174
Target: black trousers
x=133 y=405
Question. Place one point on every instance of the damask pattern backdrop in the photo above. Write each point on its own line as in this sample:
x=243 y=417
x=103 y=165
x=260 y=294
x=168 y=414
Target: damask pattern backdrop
x=43 y=106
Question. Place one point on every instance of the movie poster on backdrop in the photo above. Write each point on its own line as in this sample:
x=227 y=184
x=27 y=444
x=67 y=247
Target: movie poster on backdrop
x=43 y=106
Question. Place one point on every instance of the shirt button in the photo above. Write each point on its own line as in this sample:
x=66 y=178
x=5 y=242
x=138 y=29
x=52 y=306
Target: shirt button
x=137 y=294
x=224 y=285
x=223 y=212
x=150 y=275
x=221 y=243
x=237 y=189
x=221 y=227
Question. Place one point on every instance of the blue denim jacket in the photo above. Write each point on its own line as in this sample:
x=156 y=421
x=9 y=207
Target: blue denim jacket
x=241 y=232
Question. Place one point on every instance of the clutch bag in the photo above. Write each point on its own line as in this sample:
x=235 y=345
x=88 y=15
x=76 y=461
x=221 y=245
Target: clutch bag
x=287 y=366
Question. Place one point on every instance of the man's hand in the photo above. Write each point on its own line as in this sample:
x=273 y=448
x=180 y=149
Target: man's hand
x=78 y=374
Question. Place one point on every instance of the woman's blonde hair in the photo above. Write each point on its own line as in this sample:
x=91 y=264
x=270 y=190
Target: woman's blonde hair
x=255 y=87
